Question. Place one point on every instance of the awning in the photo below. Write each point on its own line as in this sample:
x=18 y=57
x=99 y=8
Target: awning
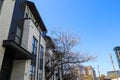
x=16 y=51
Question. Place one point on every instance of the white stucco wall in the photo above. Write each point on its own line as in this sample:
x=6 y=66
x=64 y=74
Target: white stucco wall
x=20 y=70
x=5 y=21
x=29 y=31
x=27 y=70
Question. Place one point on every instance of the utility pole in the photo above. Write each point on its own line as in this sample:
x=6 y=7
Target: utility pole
x=98 y=72
x=113 y=67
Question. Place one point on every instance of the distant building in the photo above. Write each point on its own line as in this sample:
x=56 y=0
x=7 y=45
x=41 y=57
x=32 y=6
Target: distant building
x=117 y=52
x=90 y=71
x=110 y=73
x=116 y=79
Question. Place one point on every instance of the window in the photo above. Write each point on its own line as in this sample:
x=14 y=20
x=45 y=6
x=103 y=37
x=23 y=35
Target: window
x=34 y=46
x=43 y=33
x=34 y=51
x=1 y=1
x=26 y=15
x=32 y=72
x=41 y=57
x=18 y=35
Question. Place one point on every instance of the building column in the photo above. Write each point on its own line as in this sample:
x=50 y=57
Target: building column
x=21 y=70
x=37 y=66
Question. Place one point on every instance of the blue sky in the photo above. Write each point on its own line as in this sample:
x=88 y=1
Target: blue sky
x=97 y=22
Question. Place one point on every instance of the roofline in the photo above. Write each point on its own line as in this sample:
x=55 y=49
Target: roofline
x=36 y=15
x=50 y=41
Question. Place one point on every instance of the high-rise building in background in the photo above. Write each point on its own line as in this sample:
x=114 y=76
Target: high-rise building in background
x=112 y=73
x=117 y=53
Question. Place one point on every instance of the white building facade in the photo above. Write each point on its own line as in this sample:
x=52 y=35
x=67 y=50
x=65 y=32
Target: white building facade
x=22 y=43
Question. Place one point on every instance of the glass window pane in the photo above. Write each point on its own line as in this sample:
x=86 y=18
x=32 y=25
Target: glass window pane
x=18 y=35
x=1 y=1
x=34 y=49
x=17 y=39
x=33 y=41
x=41 y=57
x=32 y=72
x=34 y=46
x=18 y=32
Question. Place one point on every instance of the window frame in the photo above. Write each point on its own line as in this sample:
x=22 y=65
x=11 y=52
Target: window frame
x=34 y=51
x=41 y=57
x=32 y=72
x=18 y=35
x=34 y=45
x=1 y=3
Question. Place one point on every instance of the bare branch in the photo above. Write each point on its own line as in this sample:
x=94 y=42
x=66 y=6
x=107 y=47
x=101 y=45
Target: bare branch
x=64 y=54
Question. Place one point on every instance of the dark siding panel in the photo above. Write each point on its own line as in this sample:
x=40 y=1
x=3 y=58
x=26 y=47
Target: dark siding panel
x=17 y=19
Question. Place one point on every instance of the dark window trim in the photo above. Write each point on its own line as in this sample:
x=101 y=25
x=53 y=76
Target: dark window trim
x=34 y=45
x=33 y=62
x=1 y=5
x=41 y=57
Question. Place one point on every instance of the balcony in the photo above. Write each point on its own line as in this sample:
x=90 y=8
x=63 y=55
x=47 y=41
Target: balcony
x=16 y=51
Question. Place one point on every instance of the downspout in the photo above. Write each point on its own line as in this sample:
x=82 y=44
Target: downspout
x=43 y=72
x=38 y=57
